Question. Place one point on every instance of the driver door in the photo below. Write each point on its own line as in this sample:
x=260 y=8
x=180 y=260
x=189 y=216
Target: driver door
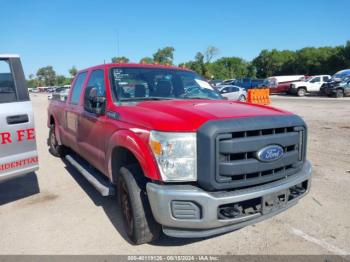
x=92 y=125
x=315 y=84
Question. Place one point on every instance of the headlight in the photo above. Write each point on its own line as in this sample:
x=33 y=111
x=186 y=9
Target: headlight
x=176 y=155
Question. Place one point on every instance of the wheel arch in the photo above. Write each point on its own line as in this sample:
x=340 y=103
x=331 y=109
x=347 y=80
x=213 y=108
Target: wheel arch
x=126 y=148
x=120 y=157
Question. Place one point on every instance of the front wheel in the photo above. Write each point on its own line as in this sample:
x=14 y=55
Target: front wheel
x=138 y=219
x=301 y=92
x=339 y=93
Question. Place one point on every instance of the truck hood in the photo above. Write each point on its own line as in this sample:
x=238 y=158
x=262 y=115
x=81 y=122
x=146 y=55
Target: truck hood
x=187 y=115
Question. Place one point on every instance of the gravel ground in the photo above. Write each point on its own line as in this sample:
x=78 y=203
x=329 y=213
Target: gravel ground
x=55 y=211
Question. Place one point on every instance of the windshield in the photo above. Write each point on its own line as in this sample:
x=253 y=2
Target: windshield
x=137 y=84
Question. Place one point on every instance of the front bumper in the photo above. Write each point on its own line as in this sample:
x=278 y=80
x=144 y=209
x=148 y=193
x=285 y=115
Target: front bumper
x=198 y=215
x=329 y=91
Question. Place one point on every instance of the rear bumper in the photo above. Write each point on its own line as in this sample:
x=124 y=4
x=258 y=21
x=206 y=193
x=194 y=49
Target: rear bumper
x=189 y=211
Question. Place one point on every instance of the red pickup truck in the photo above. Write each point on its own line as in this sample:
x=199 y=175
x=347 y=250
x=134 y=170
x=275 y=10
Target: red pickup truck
x=180 y=157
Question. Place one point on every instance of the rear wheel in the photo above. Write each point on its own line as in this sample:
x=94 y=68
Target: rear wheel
x=301 y=92
x=339 y=93
x=54 y=147
x=138 y=219
x=242 y=98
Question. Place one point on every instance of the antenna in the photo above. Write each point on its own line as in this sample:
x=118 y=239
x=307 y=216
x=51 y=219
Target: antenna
x=117 y=43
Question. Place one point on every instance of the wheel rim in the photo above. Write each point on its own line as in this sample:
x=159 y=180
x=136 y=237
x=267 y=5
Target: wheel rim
x=301 y=92
x=126 y=208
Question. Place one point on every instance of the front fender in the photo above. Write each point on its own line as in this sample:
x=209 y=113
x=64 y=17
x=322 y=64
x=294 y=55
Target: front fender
x=131 y=141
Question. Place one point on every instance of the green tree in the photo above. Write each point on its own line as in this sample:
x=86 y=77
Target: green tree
x=346 y=54
x=62 y=80
x=210 y=53
x=229 y=67
x=164 y=55
x=73 y=71
x=198 y=64
x=312 y=61
x=32 y=83
x=274 y=62
x=46 y=75
x=120 y=59
x=147 y=60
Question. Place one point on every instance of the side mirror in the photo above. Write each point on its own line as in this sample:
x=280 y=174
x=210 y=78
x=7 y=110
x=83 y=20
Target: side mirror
x=97 y=103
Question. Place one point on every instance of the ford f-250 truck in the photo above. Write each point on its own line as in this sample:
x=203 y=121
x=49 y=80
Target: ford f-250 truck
x=179 y=156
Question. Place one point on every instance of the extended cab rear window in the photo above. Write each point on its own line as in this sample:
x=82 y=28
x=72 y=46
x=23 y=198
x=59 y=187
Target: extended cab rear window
x=7 y=86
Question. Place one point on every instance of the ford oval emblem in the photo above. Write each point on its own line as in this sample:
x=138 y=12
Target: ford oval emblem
x=270 y=153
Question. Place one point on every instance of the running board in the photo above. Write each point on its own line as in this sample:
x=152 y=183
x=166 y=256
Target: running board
x=94 y=177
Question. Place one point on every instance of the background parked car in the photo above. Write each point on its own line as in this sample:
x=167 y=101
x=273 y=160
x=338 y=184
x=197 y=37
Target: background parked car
x=341 y=76
x=340 y=89
x=60 y=93
x=34 y=90
x=228 y=82
x=215 y=83
x=233 y=93
x=311 y=84
x=248 y=83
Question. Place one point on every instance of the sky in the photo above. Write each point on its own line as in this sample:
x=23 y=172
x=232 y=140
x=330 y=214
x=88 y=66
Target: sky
x=83 y=33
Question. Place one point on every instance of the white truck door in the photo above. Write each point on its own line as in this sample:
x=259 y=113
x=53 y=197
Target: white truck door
x=18 y=153
x=314 y=84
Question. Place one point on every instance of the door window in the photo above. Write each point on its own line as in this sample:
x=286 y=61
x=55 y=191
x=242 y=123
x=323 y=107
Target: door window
x=225 y=90
x=77 y=87
x=97 y=82
x=315 y=80
x=325 y=78
x=7 y=85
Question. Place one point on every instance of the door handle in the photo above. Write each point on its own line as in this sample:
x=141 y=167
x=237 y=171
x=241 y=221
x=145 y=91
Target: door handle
x=17 y=119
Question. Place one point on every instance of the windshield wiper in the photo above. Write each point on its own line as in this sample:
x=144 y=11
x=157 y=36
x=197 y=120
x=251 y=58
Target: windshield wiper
x=146 y=99
x=198 y=97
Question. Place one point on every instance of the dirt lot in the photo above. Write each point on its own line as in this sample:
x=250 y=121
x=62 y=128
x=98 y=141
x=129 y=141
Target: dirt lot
x=55 y=211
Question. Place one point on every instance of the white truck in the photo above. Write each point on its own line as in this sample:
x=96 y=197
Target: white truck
x=18 y=153
x=312 y=84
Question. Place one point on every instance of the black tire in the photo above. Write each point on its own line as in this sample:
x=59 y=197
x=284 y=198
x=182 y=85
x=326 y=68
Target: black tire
x=242 y=98
x=301 y=92
x=139 y=223
x=54 y=148
x=339 y=93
